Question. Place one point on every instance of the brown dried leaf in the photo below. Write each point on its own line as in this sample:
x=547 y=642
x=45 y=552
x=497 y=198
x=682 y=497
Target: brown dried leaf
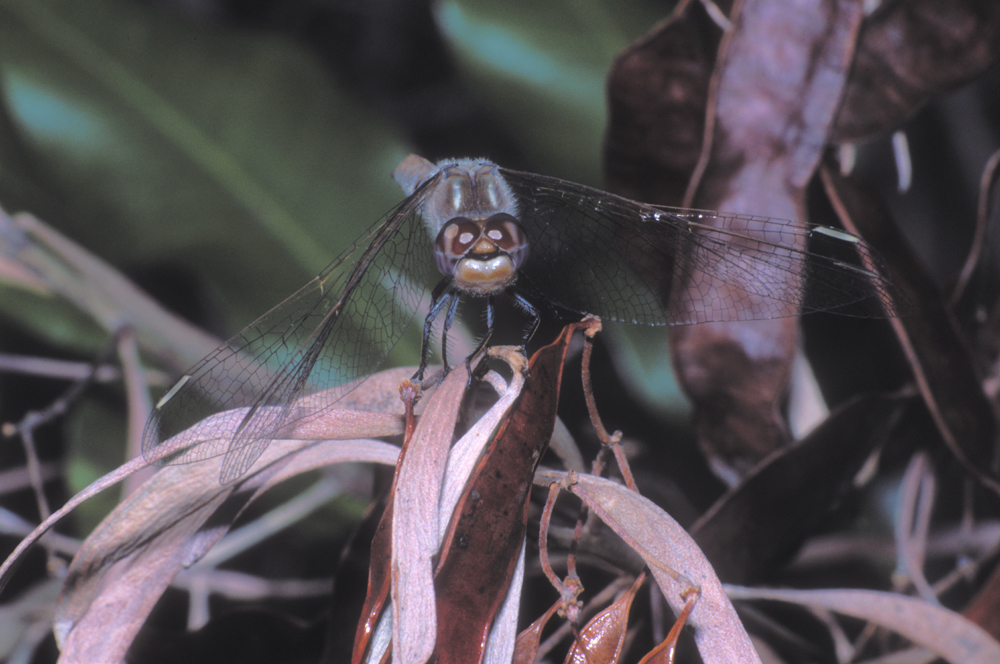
x=944 y=632
x=984 y=609
x=908 y=53
x=675 y=560
x=425 y=491
x=930 y=336
x=602 y=639
x=657 y=89
x=526 y=648
x=755 y=523
x=486 y=534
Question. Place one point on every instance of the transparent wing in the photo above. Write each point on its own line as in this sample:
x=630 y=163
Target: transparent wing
x=337 y=329
x=594 y=252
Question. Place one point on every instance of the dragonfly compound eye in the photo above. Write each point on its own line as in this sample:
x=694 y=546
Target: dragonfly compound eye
x=506 y=233
x=456 y=238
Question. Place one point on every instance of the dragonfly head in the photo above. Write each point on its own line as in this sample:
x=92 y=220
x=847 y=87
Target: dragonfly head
x=481 y=255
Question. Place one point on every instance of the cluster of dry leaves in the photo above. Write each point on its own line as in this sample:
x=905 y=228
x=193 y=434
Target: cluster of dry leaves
x=720 y=107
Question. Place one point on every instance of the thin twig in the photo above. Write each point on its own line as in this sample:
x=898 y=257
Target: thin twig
x=986 y=184
x=612 y=441
x=32 y=420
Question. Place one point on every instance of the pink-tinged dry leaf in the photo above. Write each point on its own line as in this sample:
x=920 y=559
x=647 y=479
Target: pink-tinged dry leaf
x=775 y=90
x=675 y=560
x=602 y=639
x=503 y=634
x=130 y=559
x=908 y=53
x=944 y=632
x=943 y=365
x=415 y=496
x=425 y=490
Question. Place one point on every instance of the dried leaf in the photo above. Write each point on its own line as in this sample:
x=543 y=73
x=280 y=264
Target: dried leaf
x=425 y=491
x=602 y=639
x=503 y=635
x=129 y=560
x=946 y=633
x=910 y=52
x=756 y=523
x=487 y=530
x=526 y=647
x=657 y=89
x=777 y=86
x=984 y=609
x=674 y=559
x=416 y=493
x=937 y=351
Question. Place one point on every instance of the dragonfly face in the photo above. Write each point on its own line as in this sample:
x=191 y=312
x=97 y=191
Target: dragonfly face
x=479 y=242
x=494 y=231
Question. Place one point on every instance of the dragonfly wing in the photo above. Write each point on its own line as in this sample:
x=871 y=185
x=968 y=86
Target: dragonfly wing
x=334 y=331
x=594 y=252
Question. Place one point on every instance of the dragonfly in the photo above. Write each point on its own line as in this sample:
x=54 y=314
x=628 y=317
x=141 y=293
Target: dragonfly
x=479 y=231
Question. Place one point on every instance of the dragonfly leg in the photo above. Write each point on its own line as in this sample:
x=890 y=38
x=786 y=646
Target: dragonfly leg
x=448 y=319
x=535 y=319
x=486 y=337
x=442 y=295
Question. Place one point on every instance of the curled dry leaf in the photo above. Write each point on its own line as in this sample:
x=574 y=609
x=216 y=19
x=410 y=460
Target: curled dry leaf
x=526 y=646
x=175 y=518
x=467 y=608
x=657 y=90
x=424 y=496
x=674 y=559
x=944 y=632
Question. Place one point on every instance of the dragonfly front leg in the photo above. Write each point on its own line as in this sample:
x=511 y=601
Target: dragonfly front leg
x=533 y=323
x=442 y=296
x=448 y=319
x=486 y=337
